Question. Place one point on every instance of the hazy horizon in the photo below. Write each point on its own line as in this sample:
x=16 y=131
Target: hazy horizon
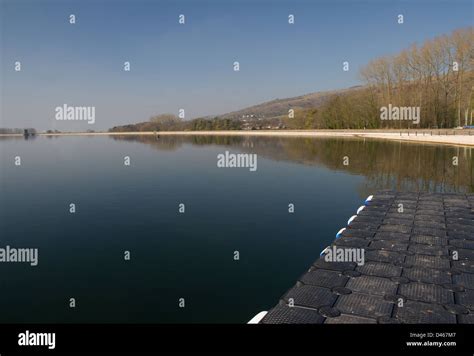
x=190 y=66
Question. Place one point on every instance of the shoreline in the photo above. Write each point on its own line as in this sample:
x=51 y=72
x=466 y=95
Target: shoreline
x=456 y=138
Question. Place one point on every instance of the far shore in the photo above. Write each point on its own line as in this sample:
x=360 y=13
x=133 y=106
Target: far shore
x=456 y=137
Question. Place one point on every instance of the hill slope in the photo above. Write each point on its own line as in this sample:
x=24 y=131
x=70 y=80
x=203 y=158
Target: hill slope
x=280 y=107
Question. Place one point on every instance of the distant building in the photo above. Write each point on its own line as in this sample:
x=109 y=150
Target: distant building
x=29 y=132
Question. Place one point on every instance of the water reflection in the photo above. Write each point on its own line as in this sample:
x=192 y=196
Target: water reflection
x=385 y=164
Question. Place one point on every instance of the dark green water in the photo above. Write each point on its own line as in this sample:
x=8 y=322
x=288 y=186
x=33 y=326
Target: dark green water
x=187 y=255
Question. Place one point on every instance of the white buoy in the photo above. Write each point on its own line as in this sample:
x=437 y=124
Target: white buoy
x=351 y=219
x=339 y=233
x=257 y=318
x=369 y=198
x=324 y=251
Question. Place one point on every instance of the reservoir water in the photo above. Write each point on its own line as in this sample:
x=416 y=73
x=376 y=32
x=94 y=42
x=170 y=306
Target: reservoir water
x=187 y=257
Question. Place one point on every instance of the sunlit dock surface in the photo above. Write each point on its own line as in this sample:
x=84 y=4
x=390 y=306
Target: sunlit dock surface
x=418 y=266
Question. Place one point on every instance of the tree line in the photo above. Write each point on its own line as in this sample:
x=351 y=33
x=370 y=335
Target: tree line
x=436 y=76
x=170 y=122
x=16 y=131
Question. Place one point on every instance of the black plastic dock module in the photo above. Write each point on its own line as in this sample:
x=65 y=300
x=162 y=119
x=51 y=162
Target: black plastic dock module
x=417 y=266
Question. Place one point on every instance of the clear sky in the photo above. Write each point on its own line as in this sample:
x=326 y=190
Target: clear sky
x=190 y=66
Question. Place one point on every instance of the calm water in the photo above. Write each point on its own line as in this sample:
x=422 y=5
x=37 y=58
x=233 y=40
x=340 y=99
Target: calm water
x=187 y=255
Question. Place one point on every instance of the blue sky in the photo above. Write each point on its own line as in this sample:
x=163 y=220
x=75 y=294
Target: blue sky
x=190 y=66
